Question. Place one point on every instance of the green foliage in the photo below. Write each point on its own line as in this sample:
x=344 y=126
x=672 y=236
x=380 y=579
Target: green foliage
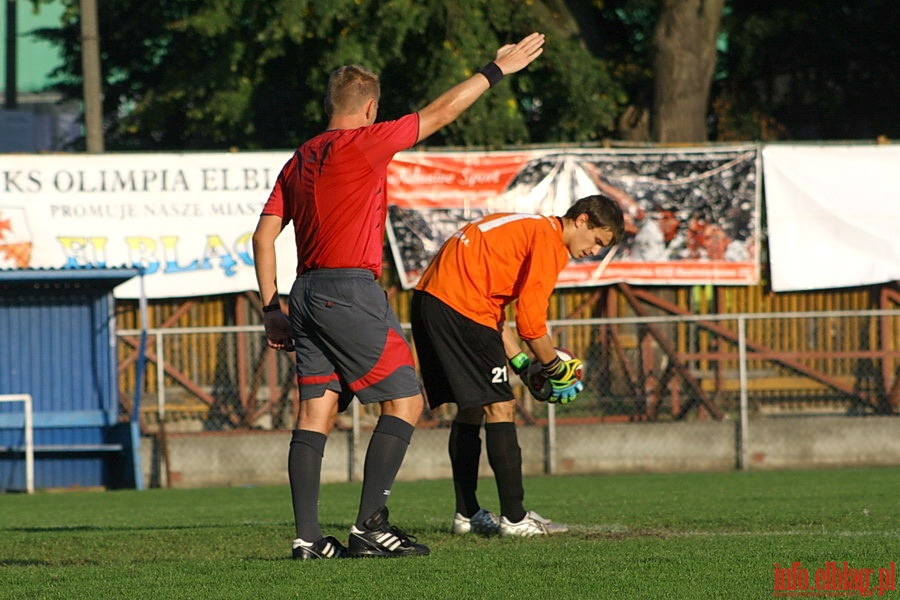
x=216 y=74
x=626 y=40
x=684 y=536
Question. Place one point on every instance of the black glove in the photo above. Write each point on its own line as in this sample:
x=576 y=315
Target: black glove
x=532 y=376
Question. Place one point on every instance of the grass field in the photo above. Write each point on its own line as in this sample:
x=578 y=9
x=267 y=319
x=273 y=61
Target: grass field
x=680 y=536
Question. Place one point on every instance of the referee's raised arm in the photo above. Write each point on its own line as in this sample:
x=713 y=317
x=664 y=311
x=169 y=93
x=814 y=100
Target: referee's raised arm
x=452 y=103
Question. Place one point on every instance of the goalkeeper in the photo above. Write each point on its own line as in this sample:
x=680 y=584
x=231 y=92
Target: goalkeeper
x=463 y=343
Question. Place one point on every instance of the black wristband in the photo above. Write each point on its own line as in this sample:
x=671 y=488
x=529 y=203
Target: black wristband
x=271 y=307
x=492 y=72
x=552 y=367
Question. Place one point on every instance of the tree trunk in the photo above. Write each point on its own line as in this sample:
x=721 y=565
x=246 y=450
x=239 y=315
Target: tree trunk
x=685 y=41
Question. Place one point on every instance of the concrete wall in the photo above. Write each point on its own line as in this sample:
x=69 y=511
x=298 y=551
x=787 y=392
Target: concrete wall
x=789 y=442
x=260 y=457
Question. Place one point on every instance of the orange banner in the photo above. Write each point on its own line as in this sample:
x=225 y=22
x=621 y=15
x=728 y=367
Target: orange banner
x=692 y=216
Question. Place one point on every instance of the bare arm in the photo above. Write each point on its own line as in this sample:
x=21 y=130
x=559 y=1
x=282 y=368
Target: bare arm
x=510 y=341
x=278 y=328
x=452 y=103
x=267 y=230
x=542 y=347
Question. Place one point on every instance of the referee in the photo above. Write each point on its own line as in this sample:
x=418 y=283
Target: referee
x=348 y=341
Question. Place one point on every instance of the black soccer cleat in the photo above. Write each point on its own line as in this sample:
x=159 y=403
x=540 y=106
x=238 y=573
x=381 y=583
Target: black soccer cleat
x=379 y=538
x=326 y=547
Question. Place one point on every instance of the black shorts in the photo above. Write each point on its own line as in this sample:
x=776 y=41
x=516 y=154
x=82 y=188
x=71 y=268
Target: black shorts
x=460 y=361
x=348 y=339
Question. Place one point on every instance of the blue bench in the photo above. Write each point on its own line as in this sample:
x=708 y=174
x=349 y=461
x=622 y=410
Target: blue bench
x=87 y=440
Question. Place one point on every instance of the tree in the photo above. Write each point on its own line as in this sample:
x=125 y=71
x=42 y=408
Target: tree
x=810 y=69
x=666 y=53
x=217 y=74
x=685 y=40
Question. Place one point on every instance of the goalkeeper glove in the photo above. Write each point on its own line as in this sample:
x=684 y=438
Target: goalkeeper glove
x=534 y=380
x=563 y=376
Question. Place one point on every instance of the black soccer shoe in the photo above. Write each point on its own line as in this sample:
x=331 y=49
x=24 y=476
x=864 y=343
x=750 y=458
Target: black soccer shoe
x=326 y=547
x=379 y=538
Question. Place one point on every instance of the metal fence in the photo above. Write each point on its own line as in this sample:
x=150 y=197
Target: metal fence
x=697 y=368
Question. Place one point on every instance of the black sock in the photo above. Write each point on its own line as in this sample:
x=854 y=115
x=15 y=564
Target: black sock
x=465 y=452
x=505 y=458
x=385 y=454
x=305 y=473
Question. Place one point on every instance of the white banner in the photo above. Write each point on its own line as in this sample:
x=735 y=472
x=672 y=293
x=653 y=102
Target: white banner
x=187 y=219
x=833 y=215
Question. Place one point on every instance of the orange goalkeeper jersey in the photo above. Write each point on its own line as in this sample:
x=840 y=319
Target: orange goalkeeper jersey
x=491 y=262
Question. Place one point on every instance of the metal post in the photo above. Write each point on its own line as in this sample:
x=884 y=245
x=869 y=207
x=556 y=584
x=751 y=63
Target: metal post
x=11 y=101
x=29 y=444
x=550 y=464
x=160 y=377
x=90 y=64
x=742 y=374
x=26 y=400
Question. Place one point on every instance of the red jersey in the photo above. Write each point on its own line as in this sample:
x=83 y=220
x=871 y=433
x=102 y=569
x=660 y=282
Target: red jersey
x=498 y=259
x=334 y=189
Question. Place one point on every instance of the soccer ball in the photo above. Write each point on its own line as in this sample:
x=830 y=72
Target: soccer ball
x=538 y=384
x=566 y=355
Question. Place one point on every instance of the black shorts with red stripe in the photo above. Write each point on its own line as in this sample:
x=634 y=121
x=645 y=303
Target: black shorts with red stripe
x=348 y=339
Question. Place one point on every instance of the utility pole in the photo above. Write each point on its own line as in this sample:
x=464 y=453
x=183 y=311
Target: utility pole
x=10 y=100
x=90 y=64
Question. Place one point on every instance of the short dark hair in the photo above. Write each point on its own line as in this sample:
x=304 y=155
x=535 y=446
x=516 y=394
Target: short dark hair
x=602 y=211
x=349 y=88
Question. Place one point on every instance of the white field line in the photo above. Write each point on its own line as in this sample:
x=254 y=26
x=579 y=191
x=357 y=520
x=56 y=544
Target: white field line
x=671 y=533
